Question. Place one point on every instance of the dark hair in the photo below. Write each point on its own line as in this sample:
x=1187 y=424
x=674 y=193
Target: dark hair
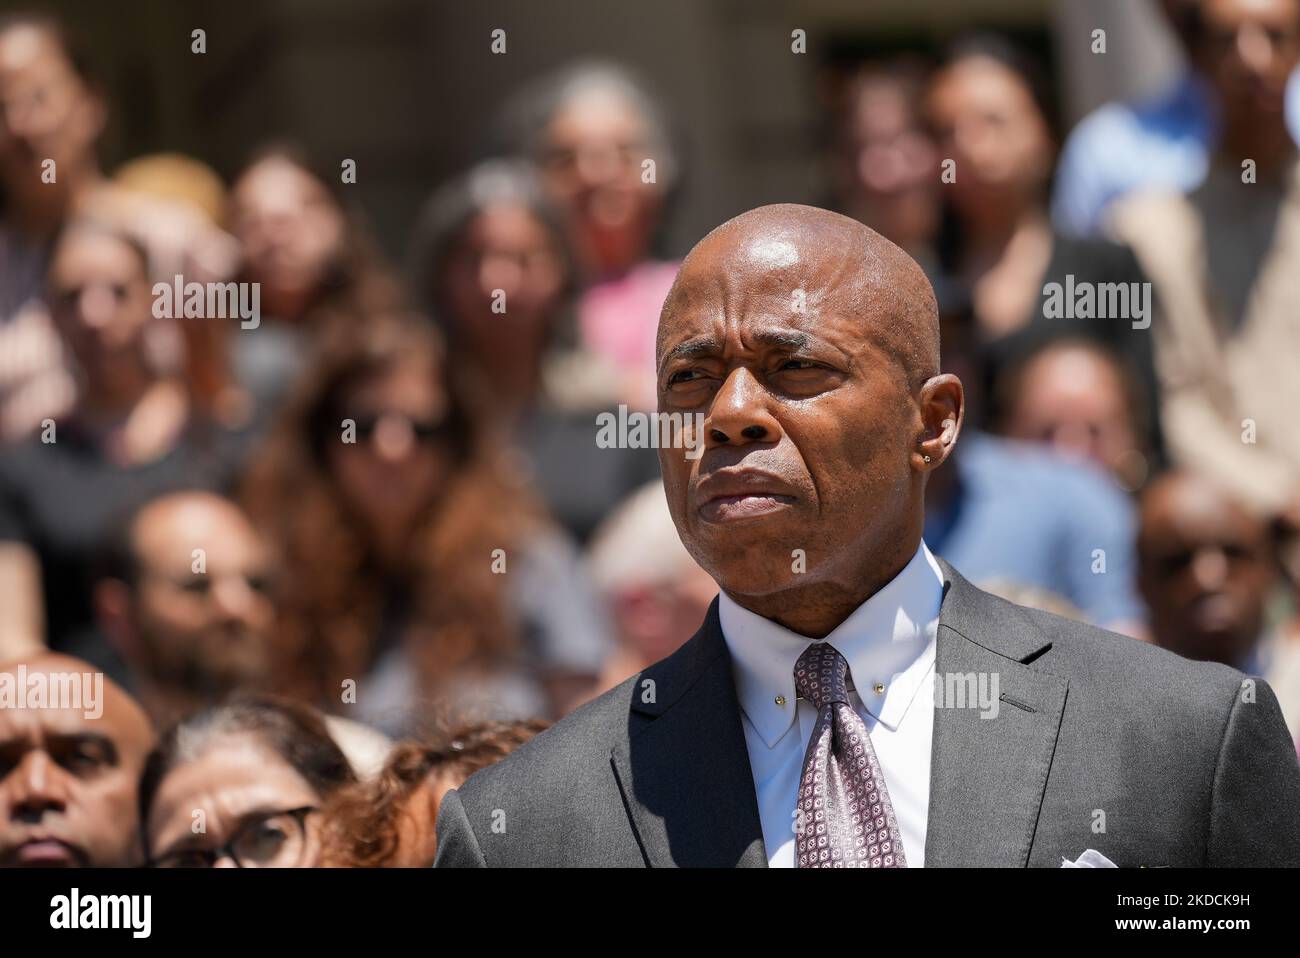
x=906 y=74
x=448 y=212
x=331 y=613
x=1013 y=57
x=296 y=733
x=1011 y=380
x=360 y=281
x=70 y=42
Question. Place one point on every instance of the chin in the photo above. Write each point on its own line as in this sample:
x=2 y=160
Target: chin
x=744 y=577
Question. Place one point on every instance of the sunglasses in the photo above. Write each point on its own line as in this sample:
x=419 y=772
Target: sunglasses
x=425 y=431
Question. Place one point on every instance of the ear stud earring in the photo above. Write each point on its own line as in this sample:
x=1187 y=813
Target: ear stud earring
x=927 y=458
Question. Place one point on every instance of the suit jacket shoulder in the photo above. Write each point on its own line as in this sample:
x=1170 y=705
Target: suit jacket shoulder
x=1155 y=759
x=557 y=799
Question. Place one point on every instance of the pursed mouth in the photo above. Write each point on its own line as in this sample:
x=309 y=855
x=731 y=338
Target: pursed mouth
x=47 y=853
x=741 y=506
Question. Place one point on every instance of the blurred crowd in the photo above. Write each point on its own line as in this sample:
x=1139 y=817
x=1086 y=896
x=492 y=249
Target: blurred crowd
x=335 y=557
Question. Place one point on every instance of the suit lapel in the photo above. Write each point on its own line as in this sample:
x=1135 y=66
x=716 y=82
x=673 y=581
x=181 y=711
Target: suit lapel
x=684 y=767
x=988 y=775
x=688 y=791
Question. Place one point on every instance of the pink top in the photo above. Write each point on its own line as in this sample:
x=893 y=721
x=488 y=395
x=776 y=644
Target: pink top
x=618 y=318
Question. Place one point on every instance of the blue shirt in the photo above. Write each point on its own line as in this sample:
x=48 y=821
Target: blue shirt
x=1164 y=142
x=1024 y=514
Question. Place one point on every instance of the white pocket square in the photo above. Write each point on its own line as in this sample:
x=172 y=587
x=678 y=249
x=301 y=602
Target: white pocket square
x=1089 y=859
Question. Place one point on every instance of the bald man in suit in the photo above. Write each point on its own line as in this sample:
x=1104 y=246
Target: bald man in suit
x=850 y=699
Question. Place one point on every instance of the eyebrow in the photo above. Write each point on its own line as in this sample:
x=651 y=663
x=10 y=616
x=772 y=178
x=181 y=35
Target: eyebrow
x=88 y=738
x=57 y=740
x=706 y=345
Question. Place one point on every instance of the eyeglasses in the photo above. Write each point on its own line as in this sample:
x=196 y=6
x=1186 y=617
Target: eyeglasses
x=271 y=840
x=425 y=431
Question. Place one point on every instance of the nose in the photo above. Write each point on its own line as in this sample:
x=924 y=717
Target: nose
x=1076 y=439
x=225 y=861
x=37 y=787
x=739 y=414
x=1254 y=48
x=233 y=598
x=394 y=439
x=1210 y=569
x=599 y=163
x=499 y=272
x=96 y=306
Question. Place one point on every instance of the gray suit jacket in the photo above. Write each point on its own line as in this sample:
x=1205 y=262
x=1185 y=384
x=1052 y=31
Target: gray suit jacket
x=1099 y=742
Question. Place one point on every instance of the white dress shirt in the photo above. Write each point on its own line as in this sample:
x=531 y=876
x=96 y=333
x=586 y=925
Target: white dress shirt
x=889 y=643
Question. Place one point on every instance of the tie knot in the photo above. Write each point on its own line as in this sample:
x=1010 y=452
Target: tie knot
x=821 y=674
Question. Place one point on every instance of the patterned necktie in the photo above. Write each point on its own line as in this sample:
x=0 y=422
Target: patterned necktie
x=844 y=818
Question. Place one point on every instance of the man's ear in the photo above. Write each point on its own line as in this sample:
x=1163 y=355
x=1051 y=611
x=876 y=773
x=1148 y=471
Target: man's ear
x=112 y=599
x=943 y=410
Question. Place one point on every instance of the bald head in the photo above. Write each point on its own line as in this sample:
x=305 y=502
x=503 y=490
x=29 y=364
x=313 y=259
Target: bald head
x=74 y=744
x=191 y=605
x=805 y=349
x=824 y=264
x=106 y=702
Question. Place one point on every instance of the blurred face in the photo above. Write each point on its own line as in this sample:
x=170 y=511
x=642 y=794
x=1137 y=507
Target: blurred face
x=656 y=619
x=209 y=628
x=101 y=301
x=68 y=782
x=890 y=161
x=985 y=118
x=809 y=420
x=400 y=459
x=594 y=147
x=290 y=229
x=1248 y=49
x=46 y=111
x=1205 y=571
x=1074 y=400
x=503 y=249
x=250 y=799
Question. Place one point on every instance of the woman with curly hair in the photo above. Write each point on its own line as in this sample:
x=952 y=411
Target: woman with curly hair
x=389 y=822
x=420 y=569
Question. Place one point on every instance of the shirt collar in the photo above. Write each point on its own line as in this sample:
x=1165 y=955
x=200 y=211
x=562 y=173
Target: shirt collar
x=887 y=640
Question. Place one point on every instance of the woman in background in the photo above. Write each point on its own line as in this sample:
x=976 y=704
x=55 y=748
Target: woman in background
x=390 y=822
x=312 y=258
x=998 y=249
x=492 y=264
x=608 y=159
x=257 y=771
x=421 y=569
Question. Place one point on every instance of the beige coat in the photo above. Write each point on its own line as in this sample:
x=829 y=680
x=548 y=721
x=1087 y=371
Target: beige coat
x=1219 y=384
